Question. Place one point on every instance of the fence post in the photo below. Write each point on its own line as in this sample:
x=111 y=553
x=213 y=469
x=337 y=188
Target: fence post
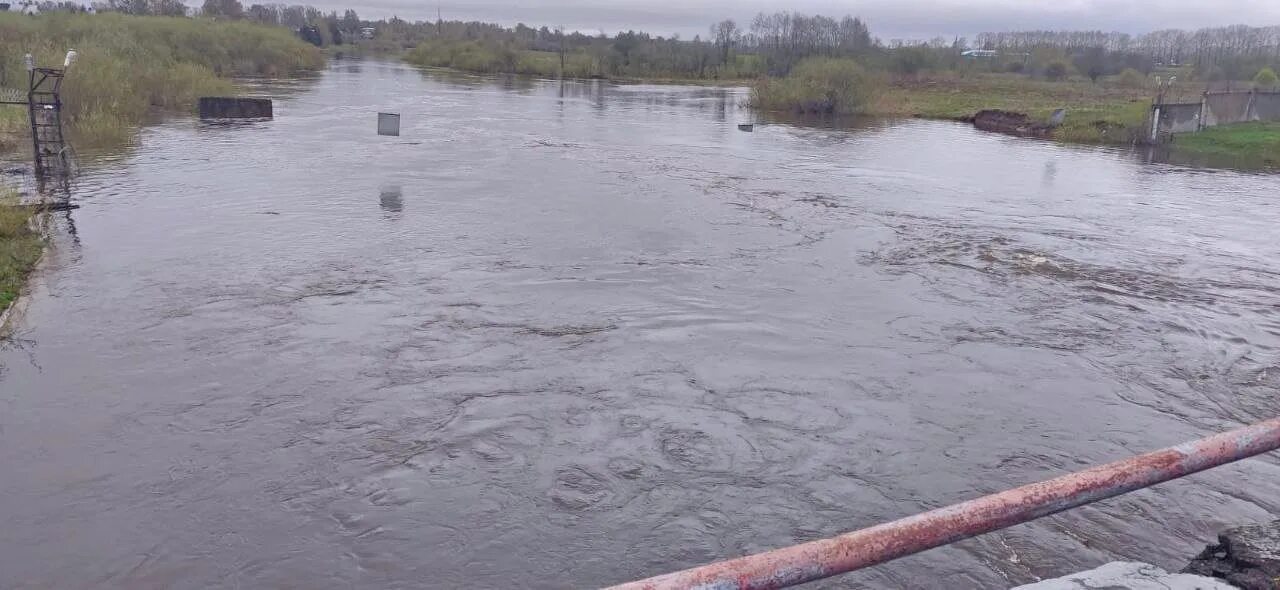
x=1204 y=110
x=1155 y=124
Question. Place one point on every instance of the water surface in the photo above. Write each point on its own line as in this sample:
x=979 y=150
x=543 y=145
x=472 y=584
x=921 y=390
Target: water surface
x=568 y=334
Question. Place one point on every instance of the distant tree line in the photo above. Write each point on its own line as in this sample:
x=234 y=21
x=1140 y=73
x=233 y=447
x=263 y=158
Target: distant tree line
x=145 y=7
x=1235 y=52
x=772 y=44
x=63 y=6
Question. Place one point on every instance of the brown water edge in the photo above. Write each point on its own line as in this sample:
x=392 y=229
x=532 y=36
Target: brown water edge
x=574 y=334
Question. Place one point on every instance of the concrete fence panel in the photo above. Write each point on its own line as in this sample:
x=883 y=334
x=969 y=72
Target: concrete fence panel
x=1179 y=118
x=1226 y=108
x=1266 y=106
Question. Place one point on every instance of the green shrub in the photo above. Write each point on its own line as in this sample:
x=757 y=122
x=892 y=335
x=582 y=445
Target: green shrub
x=1132 y=78
x=911 y=60
x=819 y=85
x=473 y=56
x=1266 y=78
x=1212 y=73
x=1056 y=70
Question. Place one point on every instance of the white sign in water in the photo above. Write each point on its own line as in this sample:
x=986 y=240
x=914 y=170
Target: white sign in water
x=388 y=124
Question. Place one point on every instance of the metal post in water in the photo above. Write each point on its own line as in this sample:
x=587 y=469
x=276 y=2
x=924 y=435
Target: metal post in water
x=815 y=560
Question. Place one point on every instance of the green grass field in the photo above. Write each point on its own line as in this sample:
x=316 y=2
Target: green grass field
x=1104 y=112
x=1250 y=145
x=19 y=248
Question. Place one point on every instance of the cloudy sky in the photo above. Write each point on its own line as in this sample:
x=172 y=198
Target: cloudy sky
x=908 y=19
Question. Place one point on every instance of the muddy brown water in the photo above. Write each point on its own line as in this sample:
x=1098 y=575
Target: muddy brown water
x=563 y=335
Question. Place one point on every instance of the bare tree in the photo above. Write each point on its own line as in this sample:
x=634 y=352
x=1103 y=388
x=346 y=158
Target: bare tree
x=167 y=7
x=561 y=47
x=264 y=14
x=223 y=9
x=725 y=34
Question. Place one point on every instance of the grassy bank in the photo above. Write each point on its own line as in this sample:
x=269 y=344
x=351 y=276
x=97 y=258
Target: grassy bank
x=1103 y=112
x=19 y=248
x=491 y=58
x=130 y=65
x=1253 y=144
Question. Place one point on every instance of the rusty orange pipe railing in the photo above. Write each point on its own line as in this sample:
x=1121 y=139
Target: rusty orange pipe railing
x=851 y=551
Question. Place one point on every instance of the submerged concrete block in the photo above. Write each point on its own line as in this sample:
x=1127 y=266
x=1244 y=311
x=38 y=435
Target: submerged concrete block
x=388 y=124
x=1129 y=575
x=221 y=107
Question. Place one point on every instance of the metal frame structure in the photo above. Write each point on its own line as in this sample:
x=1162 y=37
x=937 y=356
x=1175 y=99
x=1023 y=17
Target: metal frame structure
x=44 y=111
x=44 y=104
x=824 y=558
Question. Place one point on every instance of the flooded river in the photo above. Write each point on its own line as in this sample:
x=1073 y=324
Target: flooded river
x=562 y=335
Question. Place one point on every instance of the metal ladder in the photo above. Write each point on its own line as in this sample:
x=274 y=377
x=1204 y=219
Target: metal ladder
x=45 y=104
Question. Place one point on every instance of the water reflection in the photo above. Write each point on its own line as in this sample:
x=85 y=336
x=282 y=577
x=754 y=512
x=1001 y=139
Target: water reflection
x=347 y=63
x=223 y=125
x=285 y=89
x=1171 y=154
x=842 y=123
x=58 y=190
x=518 y=84
x=1050 y=173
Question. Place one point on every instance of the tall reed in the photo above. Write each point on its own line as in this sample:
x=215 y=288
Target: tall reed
x=130 y=65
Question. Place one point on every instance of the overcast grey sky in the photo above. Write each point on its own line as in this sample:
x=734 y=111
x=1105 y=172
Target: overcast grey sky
x=916 y=19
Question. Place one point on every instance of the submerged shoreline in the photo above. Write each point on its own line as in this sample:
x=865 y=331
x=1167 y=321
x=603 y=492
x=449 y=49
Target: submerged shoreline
x=1110 y=116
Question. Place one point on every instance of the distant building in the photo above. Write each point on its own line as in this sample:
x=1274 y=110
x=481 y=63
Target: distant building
x=980 y=53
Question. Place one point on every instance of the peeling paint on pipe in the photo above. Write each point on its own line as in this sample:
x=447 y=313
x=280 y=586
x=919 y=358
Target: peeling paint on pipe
x=798 y=564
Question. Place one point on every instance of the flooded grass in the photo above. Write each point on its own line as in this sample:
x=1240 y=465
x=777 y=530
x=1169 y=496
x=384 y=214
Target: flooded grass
x=19 y=248
x=1251 y=143
x=130 y=65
